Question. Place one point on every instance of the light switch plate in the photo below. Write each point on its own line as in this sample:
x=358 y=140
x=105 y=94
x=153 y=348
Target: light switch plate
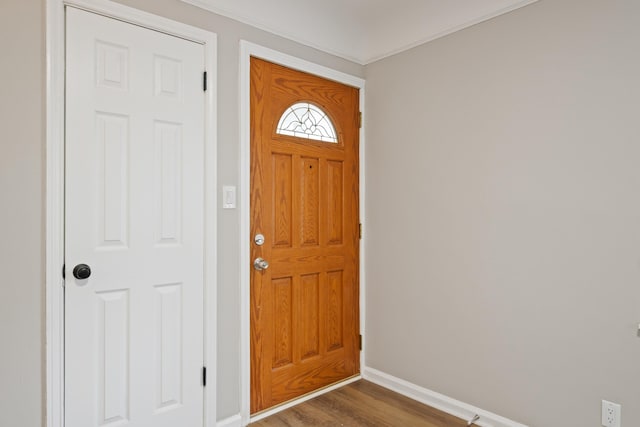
x=228 y=197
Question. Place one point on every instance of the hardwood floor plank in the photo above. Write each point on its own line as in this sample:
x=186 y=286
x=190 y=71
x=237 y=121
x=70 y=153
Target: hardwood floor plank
x=361 y=404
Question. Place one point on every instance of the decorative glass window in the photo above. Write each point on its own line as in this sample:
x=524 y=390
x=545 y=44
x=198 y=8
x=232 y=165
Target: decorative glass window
x=305 y=120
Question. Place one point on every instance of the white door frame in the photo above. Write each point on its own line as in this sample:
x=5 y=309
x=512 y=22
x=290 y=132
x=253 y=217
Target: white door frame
x=247 y=50
x=54 y=284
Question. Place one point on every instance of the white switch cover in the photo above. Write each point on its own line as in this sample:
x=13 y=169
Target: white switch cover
x=228 y=197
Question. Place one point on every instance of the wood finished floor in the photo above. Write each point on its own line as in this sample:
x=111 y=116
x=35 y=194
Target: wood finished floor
x=361 y=404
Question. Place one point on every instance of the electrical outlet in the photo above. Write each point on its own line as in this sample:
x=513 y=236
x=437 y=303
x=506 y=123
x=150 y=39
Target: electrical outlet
x=611 y=414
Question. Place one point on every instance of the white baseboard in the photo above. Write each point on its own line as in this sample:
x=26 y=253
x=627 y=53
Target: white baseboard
x=437 y=400
x=233 y=421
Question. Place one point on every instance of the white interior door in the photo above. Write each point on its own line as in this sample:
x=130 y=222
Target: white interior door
x=134 y=215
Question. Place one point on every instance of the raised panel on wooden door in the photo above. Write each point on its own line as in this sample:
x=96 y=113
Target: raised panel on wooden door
x=283 y=321
x=335 y=202
x=334 y=311
x=308 y=326
x=282 y=202
x=309 y=178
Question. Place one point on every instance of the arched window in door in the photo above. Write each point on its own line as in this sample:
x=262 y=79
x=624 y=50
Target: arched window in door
x=305 y=120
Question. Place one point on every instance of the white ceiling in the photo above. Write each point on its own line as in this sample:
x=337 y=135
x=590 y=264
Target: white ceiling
x=361 y=30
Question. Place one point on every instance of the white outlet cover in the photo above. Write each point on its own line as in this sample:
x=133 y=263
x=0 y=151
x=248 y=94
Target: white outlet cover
x=611 y=413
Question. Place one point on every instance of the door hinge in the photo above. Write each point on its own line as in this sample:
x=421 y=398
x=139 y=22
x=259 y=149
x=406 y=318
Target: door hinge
x=360 y=342
x=63 y=271
x=359 y=119
x=360 y=231
x=204 y=81
x=204 y=376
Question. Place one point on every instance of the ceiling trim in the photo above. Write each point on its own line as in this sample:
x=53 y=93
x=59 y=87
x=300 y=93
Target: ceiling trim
x=448 y=31
x=244 y=18
x=206 y=5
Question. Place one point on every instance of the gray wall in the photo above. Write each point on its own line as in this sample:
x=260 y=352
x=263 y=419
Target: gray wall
x=22 y=172
x=21 y=213
x=503 y=213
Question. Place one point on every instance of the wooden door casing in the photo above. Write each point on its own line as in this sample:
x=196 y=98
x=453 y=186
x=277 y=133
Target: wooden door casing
x=304 y=200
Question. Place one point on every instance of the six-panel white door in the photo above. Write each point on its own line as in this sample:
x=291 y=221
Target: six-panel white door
x=134 y=214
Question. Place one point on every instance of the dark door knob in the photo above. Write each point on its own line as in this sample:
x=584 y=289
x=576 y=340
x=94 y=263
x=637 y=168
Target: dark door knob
x=81 y=271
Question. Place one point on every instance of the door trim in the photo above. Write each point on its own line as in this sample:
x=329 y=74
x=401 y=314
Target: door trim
x=54 y=216
x=247 y=50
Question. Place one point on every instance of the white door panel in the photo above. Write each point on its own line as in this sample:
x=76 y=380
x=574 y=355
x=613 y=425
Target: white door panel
x=134 y=214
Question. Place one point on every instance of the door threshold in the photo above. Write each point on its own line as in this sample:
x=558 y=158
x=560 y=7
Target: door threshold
x=298 y=400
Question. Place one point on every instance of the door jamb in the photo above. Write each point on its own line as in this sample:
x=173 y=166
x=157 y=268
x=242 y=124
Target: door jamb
x=247 y=50
x=54 y=216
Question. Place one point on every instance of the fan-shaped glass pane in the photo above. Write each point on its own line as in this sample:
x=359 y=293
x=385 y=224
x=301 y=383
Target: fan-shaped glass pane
x=305 y=120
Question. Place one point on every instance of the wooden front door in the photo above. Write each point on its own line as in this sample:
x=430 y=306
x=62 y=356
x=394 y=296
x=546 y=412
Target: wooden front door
x=304 y=201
